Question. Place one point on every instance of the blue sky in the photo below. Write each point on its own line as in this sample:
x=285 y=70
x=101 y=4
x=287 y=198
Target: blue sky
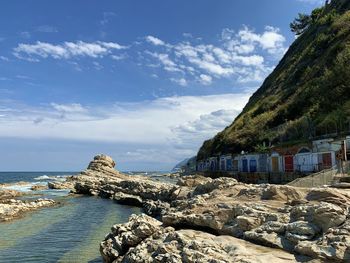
x=143 y=81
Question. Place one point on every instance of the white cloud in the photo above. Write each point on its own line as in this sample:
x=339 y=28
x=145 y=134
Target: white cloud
x=237 y=56
x=66 y=50
x=155 y=41
x=182 y=82
x=25 y=34
x=70 y=108
x=204 y=127
x=211 y=67
x=107 y=16
x=3 y=58
x=97 y=65
x=188 y=35
x=159 y=123
x=270 y=40
x=168 y=64
x=205 y=79
x=244 y=56
x=119 y=57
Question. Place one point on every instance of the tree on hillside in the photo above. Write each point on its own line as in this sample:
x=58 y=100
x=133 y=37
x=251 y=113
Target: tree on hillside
x=300 y=24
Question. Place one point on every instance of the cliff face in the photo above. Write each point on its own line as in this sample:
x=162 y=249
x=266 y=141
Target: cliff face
x=307 y=95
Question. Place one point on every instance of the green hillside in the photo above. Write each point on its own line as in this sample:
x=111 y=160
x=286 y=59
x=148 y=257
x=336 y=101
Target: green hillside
x=307 y=95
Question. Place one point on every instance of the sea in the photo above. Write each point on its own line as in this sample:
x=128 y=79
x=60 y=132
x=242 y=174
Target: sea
x=69 y=232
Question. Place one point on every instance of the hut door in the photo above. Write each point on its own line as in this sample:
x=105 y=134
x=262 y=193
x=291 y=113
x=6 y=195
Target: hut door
x=288 y=164
x=326 y=160
x=245 y=165
x=235 y=165
x=229 y=164
x=275 y=166
x=222 y=165
x=253 y=166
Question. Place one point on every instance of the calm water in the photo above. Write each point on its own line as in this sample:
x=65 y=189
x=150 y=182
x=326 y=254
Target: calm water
x=70 y=232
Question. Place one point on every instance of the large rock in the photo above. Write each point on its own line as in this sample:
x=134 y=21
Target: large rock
x=12 y=208
x=209 y=186
x=101 y=166
x=127 y=199
x=323 y=215
x=58 y=185
x=125 y=236
x=334 y=245
x=143 y=239
x=100 y=161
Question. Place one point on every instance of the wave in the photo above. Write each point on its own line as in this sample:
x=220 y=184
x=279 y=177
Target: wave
x=19 y=187
x=51 y=177
x=43 y=177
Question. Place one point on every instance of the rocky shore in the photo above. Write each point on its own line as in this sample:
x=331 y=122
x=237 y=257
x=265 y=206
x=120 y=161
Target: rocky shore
x=11 y=208
x=219 y=220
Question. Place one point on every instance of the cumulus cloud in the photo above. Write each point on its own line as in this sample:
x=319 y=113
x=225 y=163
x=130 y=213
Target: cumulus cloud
x=167 y=63
x=246 y=40
x=160 y=123
x=155 y=41
x=66 y=50
x=3 y=58
x=245 y=56
x=181 y=81
x=204 y=127
x=205 y=79
x=71 y=108
x=107 y=16
x=241 y=56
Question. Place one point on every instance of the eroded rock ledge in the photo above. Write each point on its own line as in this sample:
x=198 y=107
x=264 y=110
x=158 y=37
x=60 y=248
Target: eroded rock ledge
x=145 y=239
x=11 y=208
x=307 y=222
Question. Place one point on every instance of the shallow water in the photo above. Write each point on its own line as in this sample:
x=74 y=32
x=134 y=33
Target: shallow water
x=68 y=233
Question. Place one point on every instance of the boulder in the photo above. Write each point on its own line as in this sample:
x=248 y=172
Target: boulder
x=334 y=245
x=38 y=187
x=125 y=236
x=12 y=208
x=58 y=185
x=323 y=215
x=216 y=184
x=144 y=240
x=126 y=199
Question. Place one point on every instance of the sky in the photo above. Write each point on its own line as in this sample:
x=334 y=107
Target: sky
x=145 y=82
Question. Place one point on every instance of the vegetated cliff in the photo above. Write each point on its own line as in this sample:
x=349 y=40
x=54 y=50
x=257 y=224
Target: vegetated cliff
x=307 y=95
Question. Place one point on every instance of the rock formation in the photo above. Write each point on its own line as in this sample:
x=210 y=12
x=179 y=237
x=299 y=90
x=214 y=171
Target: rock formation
x=103 y=180
x=11 y=208
x=144 y=239
x=301 y=222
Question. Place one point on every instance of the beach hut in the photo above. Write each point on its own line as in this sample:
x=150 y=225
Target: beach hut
x=275 y=162
x=326 y=160
x=288 y=163
x=326 y=150
x=263 y=163
x=200 y=166
x=235 y=164
x=244 y=165
x=213 y=164
x=306 y=161
x=226 y=163
x=249 y=163
x=207 y=165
